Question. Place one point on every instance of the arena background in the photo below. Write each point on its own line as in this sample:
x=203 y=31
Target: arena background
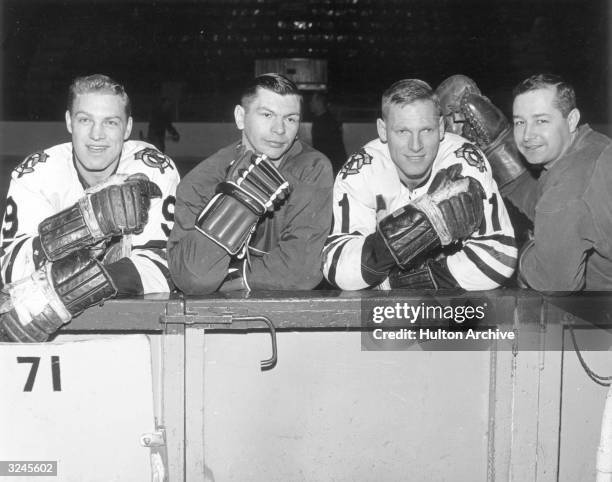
x=199 y=53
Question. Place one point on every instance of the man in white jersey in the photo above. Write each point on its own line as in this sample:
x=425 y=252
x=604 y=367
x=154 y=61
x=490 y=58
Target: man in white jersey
x=418 y=208
x=85 y=220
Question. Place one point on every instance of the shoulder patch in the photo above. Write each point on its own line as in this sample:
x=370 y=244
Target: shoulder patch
x=472 y=155
x=27 y=165
x=154 y=158
x=355 y=163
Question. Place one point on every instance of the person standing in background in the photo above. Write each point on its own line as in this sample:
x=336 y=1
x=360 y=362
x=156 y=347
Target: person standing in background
x=160 y=122
x=327 y=131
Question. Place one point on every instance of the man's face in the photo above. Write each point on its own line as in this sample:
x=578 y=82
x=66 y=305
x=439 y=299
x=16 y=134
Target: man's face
x=269 y=123
x=413 y=133
x=541 y=132
x=99 y=126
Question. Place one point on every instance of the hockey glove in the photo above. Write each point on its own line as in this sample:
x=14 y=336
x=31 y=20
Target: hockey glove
x=251 y=187
x=35 y=307
x=116 y=207
x=451 y=211
x=431 y=275
x=450 y=92
x=489 y=129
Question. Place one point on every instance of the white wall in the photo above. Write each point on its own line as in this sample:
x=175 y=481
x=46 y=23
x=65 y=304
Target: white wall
x=198 y=139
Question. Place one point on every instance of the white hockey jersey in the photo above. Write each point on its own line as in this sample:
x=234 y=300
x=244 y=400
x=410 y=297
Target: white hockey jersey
x=368 y=188
x=47 y=182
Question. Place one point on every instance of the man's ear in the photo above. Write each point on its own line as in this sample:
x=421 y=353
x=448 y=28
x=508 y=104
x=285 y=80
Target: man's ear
x=68 y=122
x=572 y=119
x=441 y=127
x=382 y=129
x=239 y=116
x=128 y=128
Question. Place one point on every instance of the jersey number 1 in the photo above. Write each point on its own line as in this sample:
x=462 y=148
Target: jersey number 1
x=494 y=216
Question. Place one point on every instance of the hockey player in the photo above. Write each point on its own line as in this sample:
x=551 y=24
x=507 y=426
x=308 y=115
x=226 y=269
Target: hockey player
x=255 y=214
x=85 y=220
x=418 y=208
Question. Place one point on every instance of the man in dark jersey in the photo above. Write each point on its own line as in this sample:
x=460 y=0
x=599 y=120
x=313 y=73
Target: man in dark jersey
x=570 y=203
x=230 y=235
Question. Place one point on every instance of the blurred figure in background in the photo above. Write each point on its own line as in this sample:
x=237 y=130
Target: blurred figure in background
x=327 y=131
x=159 y=123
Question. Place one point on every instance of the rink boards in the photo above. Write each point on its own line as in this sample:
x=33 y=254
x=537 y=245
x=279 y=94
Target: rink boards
x=171 y=388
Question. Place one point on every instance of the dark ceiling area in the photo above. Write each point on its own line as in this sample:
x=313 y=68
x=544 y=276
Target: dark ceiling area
x=207 y=49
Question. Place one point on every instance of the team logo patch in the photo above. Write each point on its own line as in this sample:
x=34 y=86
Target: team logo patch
x=154 y=158
x=355 y=163
x=472 y=155
x=28 y=164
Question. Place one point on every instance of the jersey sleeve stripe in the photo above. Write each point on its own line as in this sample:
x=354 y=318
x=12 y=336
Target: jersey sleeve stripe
x=509 y=261
x=154 y=243
x=163 y=269
x=330 y=245
x=331 y=238
x=8 y=273
x=334 y=263
x=500 y=238
x=162 y=253
x=483 y=267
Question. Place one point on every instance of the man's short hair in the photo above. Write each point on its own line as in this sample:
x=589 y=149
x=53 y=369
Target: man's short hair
x=565 y=99
x=97 y=83
x=407 y=91
x=276 y=83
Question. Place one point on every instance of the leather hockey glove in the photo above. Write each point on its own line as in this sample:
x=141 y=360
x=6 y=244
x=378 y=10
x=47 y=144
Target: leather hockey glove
x=35 y=307
x=116 y=207
x=451 y=211
x=430 y=275
x=450 y=92
x=490 y=130
x=251 y=187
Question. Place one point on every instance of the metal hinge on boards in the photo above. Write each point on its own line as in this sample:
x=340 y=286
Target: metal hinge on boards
x=156 y=442
x=176 y=312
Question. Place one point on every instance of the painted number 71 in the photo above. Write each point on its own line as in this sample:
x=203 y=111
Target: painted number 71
x=35 y=361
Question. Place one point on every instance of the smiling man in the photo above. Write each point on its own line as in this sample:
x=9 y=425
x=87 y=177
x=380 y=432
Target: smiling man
x=418 y=207
x=85 y=220
x=255 y=214
x=571 y=202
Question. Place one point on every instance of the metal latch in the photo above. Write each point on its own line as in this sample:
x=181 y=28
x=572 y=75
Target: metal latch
x=153 y=439
x=156 y=441
x=270 y=362
x=180 y=315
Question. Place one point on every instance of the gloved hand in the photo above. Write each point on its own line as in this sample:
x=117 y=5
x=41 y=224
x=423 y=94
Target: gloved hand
x=489 y=129
x=118 y=206
x=451 y=211
x=35 y=307
x=252 y=187
x=450 y=92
